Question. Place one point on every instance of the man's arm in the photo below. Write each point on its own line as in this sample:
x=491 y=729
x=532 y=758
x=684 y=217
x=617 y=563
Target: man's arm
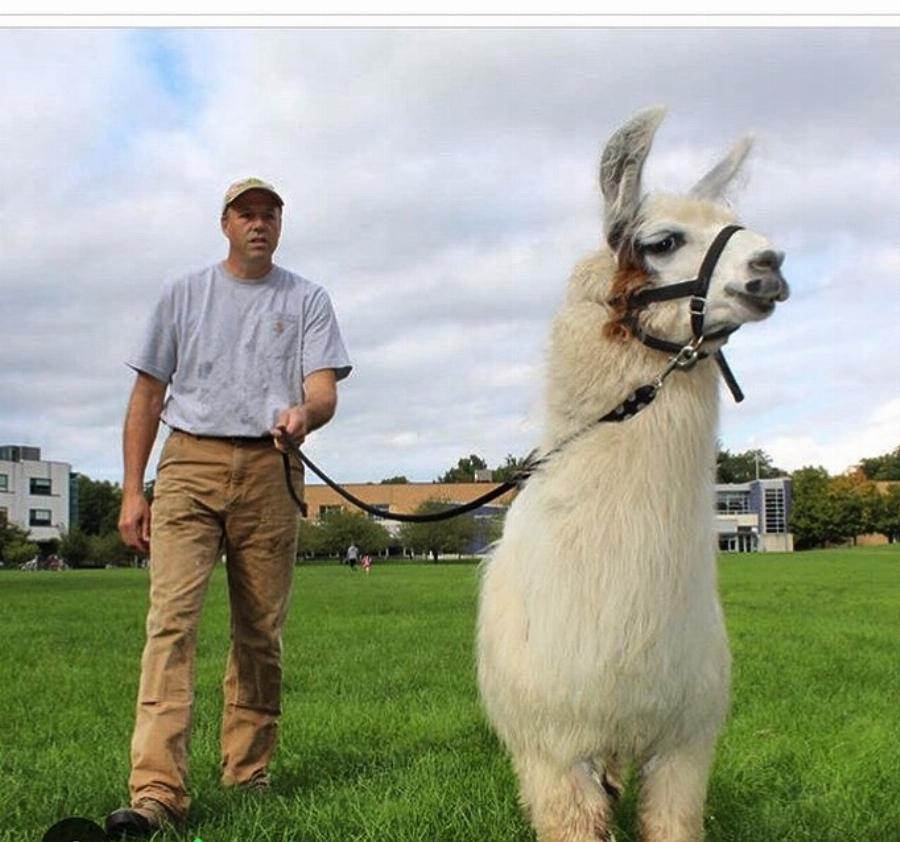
x=317 y=409
x=141 y=425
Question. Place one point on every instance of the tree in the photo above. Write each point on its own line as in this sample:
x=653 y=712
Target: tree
x=74 y=547
x=887 y=515
x=510 y=468
x=398 y=480
x=488 y=530
x=11 y=535
x=884 y=467
x=443 y=536
x=15 y=546
x=872 y=502
x=742 y=467
x=109 y=550
x=339 y=530
x=99 y=502
x=846 y=509
x=464 y=470
x=811 y=510
x=310 y=540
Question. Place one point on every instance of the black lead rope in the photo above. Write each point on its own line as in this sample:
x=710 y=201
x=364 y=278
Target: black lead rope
x=634 y=403
x=431 y=517
x=684 y=358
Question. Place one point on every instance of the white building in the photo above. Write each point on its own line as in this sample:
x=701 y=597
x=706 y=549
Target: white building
x=35 y=494
x=754 y=516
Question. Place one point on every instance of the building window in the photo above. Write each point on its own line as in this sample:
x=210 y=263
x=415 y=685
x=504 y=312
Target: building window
x=740 y=542
x=774 y=510
x=40 y=517
x=733 y=502
x=4 y=482
x=41 y=486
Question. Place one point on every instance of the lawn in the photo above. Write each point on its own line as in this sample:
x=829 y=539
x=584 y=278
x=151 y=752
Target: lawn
x=382 y=735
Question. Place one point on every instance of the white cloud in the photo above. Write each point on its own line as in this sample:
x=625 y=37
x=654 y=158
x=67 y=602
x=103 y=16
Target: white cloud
x=441 y=184
x=877 y=433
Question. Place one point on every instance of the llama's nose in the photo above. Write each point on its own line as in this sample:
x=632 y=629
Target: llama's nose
x=767 y=282
x=766 y=261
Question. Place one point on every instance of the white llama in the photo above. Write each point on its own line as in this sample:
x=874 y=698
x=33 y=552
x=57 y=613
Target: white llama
x=601 y=642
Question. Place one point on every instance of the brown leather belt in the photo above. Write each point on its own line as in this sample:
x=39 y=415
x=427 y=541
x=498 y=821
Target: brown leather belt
x=235 y=440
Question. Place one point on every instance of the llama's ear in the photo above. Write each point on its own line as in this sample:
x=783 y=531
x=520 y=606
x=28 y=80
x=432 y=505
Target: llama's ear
x=716 y=181
x=620 y=171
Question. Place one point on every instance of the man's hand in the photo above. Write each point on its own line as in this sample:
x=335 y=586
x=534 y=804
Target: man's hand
x=319 y=402
x=292 y=424
x=134 y=522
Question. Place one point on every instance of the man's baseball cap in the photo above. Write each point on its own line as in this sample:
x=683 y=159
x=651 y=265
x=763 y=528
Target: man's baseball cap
x=245 y=184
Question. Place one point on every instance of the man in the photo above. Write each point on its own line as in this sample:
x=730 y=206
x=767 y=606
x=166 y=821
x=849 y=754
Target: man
x=236 y=358
x=352 y=556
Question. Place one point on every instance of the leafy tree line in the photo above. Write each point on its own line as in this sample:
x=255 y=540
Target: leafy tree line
x=884 y=467
x=825 y=510
x=831 y=510
x=93 y=541
x=338 y=530
x=465 y=468
x=746 y=466
x=15 y=546
x=730 y=467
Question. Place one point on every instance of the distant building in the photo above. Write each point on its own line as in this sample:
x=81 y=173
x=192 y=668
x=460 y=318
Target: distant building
x=754 y=516
x=403 y=498
x=750 y=517
x=35 y=494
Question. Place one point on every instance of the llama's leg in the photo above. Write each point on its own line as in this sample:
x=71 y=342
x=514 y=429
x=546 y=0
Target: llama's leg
x=673 y=793
x=565 y=804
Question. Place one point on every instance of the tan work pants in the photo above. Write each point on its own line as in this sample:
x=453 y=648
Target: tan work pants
x=211 y=494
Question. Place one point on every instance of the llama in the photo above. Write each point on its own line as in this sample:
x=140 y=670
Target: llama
x=601 y=641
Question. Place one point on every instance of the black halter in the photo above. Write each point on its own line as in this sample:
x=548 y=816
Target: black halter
x=685 y=355
x=697 y=289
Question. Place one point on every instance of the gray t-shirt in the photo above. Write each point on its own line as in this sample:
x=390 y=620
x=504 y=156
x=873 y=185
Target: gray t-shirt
x=235 y=353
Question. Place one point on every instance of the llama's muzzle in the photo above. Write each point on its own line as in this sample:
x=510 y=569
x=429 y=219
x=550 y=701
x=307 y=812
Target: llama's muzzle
x=767 y=284
x=765 y=288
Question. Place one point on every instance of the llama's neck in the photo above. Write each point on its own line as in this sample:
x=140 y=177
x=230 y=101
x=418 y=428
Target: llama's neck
x=670 y=444
x=644 y=486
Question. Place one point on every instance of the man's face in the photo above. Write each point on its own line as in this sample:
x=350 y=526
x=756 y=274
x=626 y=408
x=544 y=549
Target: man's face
x=252 y=224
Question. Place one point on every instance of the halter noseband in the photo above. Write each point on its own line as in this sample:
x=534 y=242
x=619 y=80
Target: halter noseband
x=697 y=289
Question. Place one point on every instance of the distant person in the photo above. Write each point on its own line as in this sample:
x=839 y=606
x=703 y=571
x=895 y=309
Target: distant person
x=352 y=556
x=236 y=358
x=366 y=562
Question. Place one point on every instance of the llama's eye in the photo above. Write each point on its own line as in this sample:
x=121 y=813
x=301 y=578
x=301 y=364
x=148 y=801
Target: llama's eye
x=664 y=246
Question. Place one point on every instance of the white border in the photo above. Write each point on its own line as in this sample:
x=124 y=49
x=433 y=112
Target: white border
x=455 y=21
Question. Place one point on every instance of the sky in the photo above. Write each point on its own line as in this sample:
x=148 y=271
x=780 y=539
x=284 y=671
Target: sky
x=441 y=183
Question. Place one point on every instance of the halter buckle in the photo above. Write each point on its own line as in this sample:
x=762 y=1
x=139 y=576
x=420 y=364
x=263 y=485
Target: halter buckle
x=684 y=359
x=689 y=354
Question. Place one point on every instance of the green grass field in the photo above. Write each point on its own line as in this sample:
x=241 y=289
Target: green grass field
x=382 y=735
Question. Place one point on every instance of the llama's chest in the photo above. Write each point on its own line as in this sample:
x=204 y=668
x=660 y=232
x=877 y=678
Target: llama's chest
x=614 y=601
